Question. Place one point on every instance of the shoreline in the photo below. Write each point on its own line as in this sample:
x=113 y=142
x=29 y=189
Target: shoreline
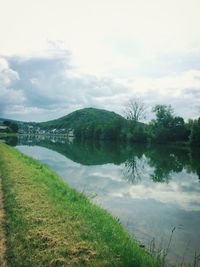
x=51 y=224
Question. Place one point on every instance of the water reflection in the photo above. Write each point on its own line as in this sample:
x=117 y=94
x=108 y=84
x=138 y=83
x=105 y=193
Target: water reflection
x=164 y=160
x=10 y=140
x=150 y=188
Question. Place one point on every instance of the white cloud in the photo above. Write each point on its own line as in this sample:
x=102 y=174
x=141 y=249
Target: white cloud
x=173 y=85
x=165 y=193
x=8 y=96
x=178 y=90
x=50 y=87
x=112 y=50
x=3 y=64
x=7 y=75
x=91 y=29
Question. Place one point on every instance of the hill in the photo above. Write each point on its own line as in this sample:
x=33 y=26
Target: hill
x=86 y=116
x=91 y=124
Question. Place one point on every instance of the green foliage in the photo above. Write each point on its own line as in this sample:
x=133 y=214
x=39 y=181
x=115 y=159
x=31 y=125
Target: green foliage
x=100 y=131
x=167 y=127
x=138 y=134
x=12 y=126
x=195 y=133
x=164 y=115
x=99 y=124
x=83 y=117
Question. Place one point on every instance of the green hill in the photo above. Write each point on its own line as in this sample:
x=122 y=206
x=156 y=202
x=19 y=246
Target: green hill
x=86 y=116
x=89 y=124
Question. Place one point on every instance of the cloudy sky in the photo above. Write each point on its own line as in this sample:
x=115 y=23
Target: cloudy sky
x=57 y=56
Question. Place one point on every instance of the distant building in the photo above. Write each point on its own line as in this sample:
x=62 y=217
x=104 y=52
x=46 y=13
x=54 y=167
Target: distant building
x=70 y=132
x=3 y=128
x=54 y=131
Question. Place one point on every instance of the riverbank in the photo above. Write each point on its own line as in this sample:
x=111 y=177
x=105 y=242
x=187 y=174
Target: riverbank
x=3 y=259
x=50 y=224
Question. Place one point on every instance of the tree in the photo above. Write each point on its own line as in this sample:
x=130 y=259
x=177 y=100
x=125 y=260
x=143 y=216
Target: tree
x=164 y=115
x=166 y=127
x=13 y=127
x=135 y=110
x=195 y=133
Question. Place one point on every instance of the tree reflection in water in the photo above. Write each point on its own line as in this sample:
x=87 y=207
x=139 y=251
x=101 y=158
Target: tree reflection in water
x=158 y=161
x=166 y=160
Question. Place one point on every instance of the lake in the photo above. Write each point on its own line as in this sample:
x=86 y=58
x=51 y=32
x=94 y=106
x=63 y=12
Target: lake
x=153 y=190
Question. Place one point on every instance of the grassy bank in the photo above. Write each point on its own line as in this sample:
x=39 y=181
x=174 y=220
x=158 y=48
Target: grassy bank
x=50 y=224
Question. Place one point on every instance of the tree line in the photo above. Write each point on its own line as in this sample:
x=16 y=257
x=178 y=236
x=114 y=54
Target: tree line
x=165 y=128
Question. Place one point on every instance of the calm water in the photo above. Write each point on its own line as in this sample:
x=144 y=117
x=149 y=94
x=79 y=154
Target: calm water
x=150 y=189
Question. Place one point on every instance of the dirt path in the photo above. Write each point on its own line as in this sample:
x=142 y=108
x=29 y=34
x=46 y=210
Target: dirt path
x=3 y=260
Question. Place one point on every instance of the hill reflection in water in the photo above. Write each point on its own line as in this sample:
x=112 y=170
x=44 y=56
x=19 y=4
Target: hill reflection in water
x=162 y=158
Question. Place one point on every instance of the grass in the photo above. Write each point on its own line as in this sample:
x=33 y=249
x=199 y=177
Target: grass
x=50 y=224
x=8 y=134
x=3 y=260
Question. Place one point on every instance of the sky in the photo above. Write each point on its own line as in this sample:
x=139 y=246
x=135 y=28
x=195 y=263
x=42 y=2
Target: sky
x=57 y=56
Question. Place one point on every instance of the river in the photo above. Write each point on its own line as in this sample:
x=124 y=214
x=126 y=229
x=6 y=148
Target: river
x=153 y=190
